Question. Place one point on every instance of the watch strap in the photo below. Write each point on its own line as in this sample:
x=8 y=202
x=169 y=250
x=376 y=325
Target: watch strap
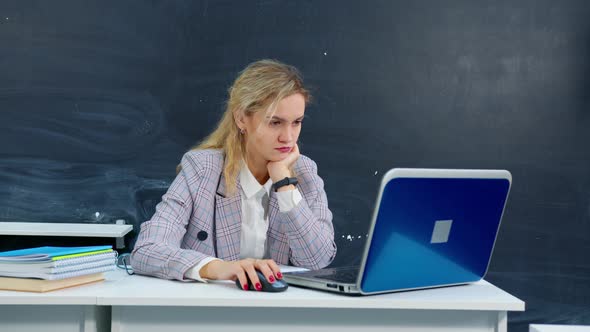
x=284 y=182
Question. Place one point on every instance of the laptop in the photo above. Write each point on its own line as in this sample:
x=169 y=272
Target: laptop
x=429 y=228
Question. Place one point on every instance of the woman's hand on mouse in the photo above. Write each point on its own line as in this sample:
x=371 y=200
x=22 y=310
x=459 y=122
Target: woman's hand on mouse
x=242 y=270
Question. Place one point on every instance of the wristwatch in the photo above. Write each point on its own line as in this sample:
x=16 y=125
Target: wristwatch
x=284 y=182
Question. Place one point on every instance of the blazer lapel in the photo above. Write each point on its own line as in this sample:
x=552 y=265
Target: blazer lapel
x=228 y=221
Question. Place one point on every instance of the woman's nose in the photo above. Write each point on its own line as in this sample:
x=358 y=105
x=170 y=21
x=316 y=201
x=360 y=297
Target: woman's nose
x=286 y=134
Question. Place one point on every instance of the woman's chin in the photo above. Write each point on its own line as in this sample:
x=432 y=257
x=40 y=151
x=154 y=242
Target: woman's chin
x=277 y=158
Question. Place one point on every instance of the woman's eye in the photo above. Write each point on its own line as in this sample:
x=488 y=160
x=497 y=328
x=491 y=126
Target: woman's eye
x=275 y=123
x=298 y=123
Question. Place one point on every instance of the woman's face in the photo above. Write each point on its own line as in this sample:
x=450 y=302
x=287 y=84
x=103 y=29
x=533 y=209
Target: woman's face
x=270 y=137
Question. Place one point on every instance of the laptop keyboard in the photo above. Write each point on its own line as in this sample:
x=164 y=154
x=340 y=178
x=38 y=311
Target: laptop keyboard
x=346 y=274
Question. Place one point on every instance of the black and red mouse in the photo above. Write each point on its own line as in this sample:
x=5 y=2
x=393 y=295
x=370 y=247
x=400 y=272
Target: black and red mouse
x=278 y=286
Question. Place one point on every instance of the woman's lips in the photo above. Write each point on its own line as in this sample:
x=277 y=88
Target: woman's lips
x=284 y=149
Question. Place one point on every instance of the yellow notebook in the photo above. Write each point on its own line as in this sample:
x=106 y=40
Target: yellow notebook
x=90 y=253
x=41 y=286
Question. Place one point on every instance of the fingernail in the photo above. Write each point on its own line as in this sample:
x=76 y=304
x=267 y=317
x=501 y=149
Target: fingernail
x=279 y=275
x=271 y=279
x=258 y=286
x=245 y=286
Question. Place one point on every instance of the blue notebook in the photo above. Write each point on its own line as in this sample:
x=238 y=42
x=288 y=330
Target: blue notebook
x=45 y=253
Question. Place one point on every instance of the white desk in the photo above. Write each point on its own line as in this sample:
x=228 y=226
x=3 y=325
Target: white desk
x=117 y=231
x=558 y=328
x=67 y=310
x=64 y=229
x=148 y=304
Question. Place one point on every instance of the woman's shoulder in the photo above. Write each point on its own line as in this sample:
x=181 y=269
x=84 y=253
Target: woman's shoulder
x=305 y=165
x=310 y=181
x=203 y=159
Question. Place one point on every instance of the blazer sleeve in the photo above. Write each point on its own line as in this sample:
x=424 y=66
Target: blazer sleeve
x=157 y=251
x=308 y=225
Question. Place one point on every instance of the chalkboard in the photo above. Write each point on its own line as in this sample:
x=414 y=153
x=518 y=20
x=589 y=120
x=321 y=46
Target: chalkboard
x=99 y=102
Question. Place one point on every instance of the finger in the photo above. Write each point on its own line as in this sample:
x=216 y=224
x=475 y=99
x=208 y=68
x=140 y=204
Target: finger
x=251 y=272
x=276 y=270
x=294 y=155
x=289 y=160
x=262 y=266
x=241 y=275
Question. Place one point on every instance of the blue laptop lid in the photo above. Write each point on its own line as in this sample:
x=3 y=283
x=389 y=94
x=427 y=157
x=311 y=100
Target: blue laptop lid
x=433 y=228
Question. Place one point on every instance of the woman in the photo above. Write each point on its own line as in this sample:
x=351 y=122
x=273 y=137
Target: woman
x=244 y=199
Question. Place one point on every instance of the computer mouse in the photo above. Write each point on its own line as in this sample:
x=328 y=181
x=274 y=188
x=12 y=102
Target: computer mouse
x=278 y=286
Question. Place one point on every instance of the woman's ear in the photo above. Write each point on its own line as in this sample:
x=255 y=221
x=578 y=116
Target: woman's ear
x=239 y=119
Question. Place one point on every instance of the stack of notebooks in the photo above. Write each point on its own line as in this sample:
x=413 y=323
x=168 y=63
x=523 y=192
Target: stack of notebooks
x=48 y=268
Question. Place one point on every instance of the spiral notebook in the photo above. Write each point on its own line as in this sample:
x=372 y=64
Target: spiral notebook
x=63 y=274
x=56 y=263
x=82 y=263
x=109 y=255
x=47 y=254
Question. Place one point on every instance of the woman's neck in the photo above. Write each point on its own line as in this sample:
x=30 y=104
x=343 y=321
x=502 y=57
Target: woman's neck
x=258 y=169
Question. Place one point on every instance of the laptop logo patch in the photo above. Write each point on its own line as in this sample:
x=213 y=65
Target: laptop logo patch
x=441 y=231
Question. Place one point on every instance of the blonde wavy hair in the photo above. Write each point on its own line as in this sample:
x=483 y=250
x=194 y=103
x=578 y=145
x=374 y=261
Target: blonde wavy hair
x=259 y=87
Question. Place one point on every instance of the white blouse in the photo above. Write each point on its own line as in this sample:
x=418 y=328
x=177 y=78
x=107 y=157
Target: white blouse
x=255 y=199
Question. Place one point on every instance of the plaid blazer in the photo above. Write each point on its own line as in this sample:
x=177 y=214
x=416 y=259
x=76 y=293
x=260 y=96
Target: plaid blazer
x=196 y=219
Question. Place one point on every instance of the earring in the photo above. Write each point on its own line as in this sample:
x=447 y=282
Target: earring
x=242 y=131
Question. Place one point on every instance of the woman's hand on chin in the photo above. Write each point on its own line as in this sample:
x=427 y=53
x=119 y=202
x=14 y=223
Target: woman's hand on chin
x=278 y=170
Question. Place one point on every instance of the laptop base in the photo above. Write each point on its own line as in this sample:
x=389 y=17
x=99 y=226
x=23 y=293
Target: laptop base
x=338 y=280
x=349 y=289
